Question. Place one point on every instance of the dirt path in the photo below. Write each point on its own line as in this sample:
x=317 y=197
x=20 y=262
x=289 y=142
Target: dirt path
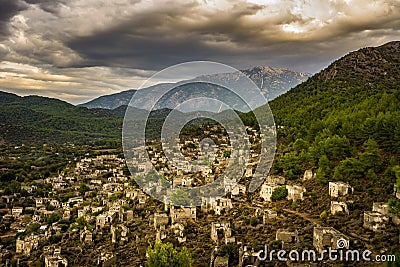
x=304 y=216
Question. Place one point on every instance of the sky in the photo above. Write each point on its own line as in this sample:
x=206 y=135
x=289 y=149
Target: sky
x=76 y=50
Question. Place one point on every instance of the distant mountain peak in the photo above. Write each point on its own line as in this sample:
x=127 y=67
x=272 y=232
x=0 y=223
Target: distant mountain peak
x=272 y=82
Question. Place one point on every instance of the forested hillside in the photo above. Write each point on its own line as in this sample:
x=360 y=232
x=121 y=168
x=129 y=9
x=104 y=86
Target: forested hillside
x=39 y=120
x=344 y=122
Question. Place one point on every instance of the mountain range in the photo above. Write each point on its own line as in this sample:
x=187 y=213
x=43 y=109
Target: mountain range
x=272 y=82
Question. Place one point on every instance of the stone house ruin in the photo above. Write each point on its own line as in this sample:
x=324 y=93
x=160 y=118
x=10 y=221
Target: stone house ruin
x=53 y=258
x=396 y=191
x=339 y=207
x=86 y=236
x=161 y=221
x=178 y=230
x=288 y=237
x=308 y=175
x=238 y=189
x=248 y=257
x=375 y=221
x=275 y=179
x=328 y=237
x=383 y=208
x=266 y=191
x=106 y=259
x=221 y=261
x=221 y=233
x=17 y=211
x=295 y=192
x=26 y=246
x=266 y=214
x=219 y=206
x=104 y=219
x=217 y=260
x=119 y=233
x=182 y=214
x=337 y=189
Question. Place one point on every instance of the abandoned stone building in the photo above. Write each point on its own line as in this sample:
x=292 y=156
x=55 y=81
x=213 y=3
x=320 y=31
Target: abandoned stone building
x=126 y=216
x=53 y=258
x=183 y=181
x=26 y=246
x=17 y=211
x=295 y=192
x=328 y=237
x=375 y=221
x=337 y=189
x=288 y=237
x=219 y=206
x=339 y=207
x=67 y=214
x=308 y=175
x=221 y=261
x=178 y=230
x=182 y=214
x=267 y=215
x=160 y=220
x=238 y=189
x=187 y=181
x=383 y=208
x=81 y=213
x=247 y=257
x=86 y=236
x=275 y=179
x=119 y=234
x=217 y=260
x=104 y=219
x=221 y=233
x=266 y=191
x=396 y=191
x=106 y=259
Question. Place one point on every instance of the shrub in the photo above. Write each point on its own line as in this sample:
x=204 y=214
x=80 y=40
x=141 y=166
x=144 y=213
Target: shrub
x=279 y=193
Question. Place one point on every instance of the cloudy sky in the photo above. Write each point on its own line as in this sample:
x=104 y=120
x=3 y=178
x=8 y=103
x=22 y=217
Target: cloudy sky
x=76 y=50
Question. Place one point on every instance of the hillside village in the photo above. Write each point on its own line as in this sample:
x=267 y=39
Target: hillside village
x=202 y=133
x=94 y=214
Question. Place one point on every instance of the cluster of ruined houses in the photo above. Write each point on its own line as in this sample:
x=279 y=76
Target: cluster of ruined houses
x=110 y=214
x=380 y=216
x=174 y=223
x=182 y=168
x=323 y=239
x=375 y=220
x=209 y=161
x=52 y=254
x=98 y=209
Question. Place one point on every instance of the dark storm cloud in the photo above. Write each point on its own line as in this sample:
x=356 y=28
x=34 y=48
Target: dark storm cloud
x=248 y=34
x=51 y=6
x=159 y=39
x=8 y=9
